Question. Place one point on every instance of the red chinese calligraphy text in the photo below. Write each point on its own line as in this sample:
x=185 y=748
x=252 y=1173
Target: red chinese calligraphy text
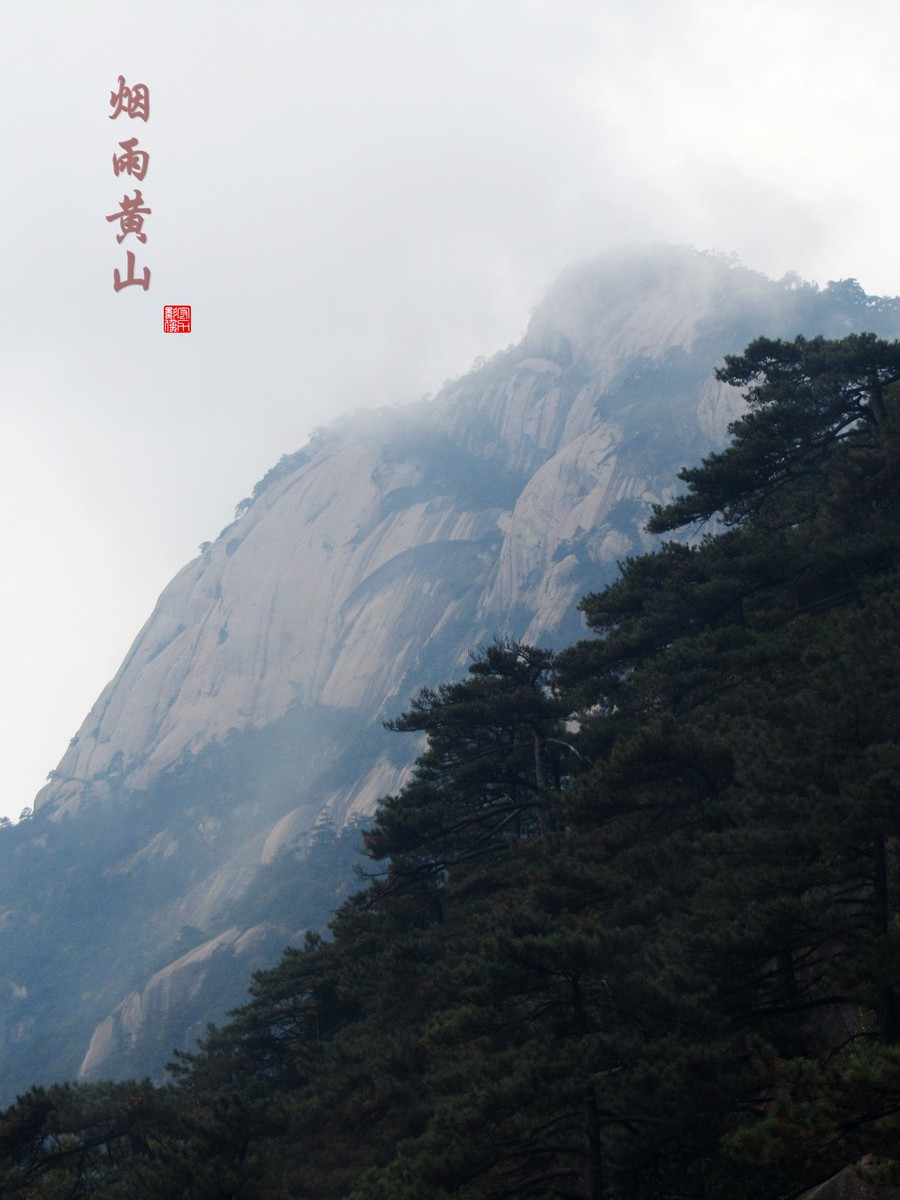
x=134 y=101
x=131 y=217
x=131 y=279
x=132 y=162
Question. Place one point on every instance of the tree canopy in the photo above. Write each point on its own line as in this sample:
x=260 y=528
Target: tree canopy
x=632 y=929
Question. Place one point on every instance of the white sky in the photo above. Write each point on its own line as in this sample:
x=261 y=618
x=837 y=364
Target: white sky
x=357 y=197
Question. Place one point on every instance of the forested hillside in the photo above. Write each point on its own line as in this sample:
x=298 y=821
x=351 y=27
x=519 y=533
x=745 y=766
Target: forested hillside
x=631 y=929
x=200 y=818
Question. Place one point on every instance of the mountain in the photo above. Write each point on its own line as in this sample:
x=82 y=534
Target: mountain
x=207 y=811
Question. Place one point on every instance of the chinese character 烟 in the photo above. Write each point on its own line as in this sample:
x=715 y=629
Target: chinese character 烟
x=132 y=162
x=135 y=101
x=131 y=216
x=119 y=282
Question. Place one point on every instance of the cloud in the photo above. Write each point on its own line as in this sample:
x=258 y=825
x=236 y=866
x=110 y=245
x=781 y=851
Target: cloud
x=357 y=198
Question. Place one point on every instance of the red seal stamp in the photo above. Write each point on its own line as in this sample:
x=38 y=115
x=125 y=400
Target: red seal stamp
x=176 y=318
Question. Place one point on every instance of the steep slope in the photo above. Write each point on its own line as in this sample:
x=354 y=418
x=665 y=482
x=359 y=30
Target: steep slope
x=362 y=568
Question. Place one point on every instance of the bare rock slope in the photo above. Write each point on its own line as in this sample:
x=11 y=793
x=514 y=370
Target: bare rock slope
x=486 y=511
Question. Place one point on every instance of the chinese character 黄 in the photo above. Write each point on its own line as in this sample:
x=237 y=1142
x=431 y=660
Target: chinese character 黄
x=131 y=217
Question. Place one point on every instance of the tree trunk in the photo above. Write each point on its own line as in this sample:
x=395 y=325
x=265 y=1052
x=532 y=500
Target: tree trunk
x=884 y=859
x=593 y=1178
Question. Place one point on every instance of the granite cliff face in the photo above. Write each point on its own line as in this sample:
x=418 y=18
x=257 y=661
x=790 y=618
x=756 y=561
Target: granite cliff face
x=484 y=511
x=246 y=719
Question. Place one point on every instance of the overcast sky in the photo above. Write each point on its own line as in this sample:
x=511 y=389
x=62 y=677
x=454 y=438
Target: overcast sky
x=357 y=197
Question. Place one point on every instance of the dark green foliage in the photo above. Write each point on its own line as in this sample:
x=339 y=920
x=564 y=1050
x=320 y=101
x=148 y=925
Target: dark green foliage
x=633 y=925
x=491 y=770
x=68 y=1142
x=805 y=397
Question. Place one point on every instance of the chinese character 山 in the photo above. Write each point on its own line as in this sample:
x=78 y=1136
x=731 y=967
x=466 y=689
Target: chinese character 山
x=130 y=279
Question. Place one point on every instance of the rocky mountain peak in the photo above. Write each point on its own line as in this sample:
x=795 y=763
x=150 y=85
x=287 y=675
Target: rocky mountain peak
x=366 y=565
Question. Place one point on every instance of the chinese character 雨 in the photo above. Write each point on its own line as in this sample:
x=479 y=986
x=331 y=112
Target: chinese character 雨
x=119 y=282
x=135 y=101
x=131 y=216
x=132 y=162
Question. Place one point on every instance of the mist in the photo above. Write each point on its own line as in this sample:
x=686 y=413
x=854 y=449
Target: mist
x=357 y=200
